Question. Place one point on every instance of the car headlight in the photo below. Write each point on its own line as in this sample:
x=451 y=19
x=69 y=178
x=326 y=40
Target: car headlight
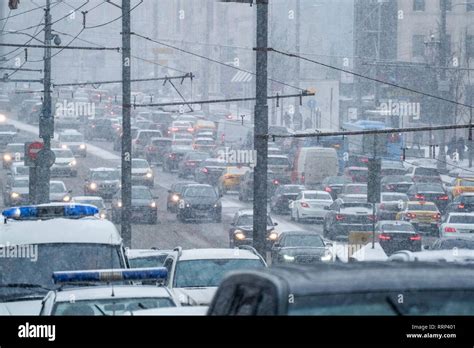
x=119 y=204
x=153 y=204
x=273 y=235
x=102 y=215
x=149 y=175
x=66 y=198
x=93 y=186
x=64 y=146
x=175 y=198
x=288 y=258
x=3 y=118
x=7 y=157
x=327 y=257
x=73 y=163
x=14 y=195
x=82 y=146
x=240 y=235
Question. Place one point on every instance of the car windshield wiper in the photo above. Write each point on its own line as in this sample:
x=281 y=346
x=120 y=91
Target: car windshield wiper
x=394 y=306
x=100 y=310
x=24 y=286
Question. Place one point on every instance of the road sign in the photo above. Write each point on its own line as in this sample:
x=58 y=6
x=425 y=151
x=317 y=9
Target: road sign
x=46 y=156
x=31 y=152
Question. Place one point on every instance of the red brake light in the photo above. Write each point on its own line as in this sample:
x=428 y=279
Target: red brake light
x=443 y=198
x=419 y=196
x=339 y=217
x=461 y=206
x=328 y=189
x=372 y=218
x=205 y=170
x=190 y=130
x=364 y=160
x=390 y=187
x=276 y=182
x=449 y=229
x=415 y=237
x=304 y=205
x=437 y=216
x=411 y=215
x=384 y=237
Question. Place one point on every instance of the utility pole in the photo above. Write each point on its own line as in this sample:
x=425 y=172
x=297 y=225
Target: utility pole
x=207 y=50
x=261 y=129
x=126 y=126
x=470 y=137
x=442 y=80
x=46 y=122
x=298 y=65
x=155 y=36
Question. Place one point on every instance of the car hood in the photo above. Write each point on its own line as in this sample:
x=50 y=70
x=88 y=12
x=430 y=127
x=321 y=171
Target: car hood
x=140 y=170
x=57 y=196
x=293 y=251
x=28 y=308
x=141 y=202
x=200 y=200
x=21 y=190
x=62 y=160
x=249 y=228
x=195 y=296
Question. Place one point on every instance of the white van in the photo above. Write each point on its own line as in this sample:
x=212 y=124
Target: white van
x=313 y=164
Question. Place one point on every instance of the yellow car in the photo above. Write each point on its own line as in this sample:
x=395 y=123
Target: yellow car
x=230 y=178
x=462 y=186
x=424 y=216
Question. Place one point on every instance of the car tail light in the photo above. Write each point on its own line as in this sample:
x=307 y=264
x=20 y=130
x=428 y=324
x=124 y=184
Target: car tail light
x=372 y=218
x=276 y=182
x=437 y=216
x=382 y=206
x=449 y=229
x=190 y=163
x=302 y=178
x=384 y=237
x=205 y=170
x=172 y=155
x=411 y=215
x=304 y=205
x=364 y=160
x=390 y=187
x=415 y=237
x=419 y=196
x=443 y=198
x=151 y=148
x=174 y=129
x=190 y=130
x=339 y=217
x=461 y=206
x=328 y=189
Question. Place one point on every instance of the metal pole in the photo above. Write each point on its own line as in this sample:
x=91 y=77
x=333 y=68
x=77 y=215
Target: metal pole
x=373 y=203
x=470 y=139
x=46 y=131
x=298 y=64
x=155 y=36
x=126 y=127
x=261 y=128
x=442 y=62
x=206 y=70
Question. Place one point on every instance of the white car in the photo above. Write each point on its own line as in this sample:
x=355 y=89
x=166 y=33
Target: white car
x=142 y=173
x=106 y=299
x=195 y=274
x=310 y=205
x=354 y=193
x=457 y=225
x=65 y=163
x=74 y=141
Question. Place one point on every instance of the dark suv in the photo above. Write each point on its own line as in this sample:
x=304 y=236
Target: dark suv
x=246 y=186
x=241 y=229
x=100 y=128
x=103 y=182
x=199 y=202
x=156 y=149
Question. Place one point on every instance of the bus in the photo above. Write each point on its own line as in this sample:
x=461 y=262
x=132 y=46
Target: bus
x=362 y=147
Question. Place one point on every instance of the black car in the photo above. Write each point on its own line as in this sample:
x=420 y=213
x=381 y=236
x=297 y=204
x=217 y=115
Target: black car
x=300 y=247
x=279 y=202
x=397 y=235
x=396 y=183
x=334 y=184
x=190 y=162
x=452 y=243
x=100 y=128
x=174 y=195
x=173 y=156
x=144 y=207
x=156 y=149
x=343 y=218
x=355 y=289
x=430 y=193
x=246 y=185
x=199 y=202
x=209 y=171
x=391 y=203
x=103 y=182
x=241 y=229
x=463 y=203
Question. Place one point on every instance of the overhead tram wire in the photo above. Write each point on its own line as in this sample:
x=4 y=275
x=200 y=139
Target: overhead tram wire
x=113 y=20
x=212 y=60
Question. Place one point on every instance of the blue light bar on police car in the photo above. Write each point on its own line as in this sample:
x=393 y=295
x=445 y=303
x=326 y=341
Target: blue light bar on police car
x=50 y=211
x=110 y=275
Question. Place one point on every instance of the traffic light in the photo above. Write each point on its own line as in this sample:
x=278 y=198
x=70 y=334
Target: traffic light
x=13 y=4
x=374 y=180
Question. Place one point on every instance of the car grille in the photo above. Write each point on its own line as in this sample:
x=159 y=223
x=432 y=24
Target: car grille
x=307 y=258
x=202 y=207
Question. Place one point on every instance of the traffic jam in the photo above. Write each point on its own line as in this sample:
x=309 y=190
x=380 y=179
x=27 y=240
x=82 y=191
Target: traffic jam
x=355 y=214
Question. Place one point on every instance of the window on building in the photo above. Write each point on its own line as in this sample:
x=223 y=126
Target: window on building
x=418 y=5
x=418 y=45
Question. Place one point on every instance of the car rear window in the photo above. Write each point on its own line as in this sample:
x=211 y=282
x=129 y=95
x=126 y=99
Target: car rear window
x=461 y=219
x=426 y=171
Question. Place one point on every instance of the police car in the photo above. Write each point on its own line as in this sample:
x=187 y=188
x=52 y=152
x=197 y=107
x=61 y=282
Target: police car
x=106 y=299
x=36 y=241
x=195 y=274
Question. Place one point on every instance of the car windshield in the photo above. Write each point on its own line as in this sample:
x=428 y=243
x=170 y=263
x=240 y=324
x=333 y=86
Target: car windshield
x=105 y=175
x=141 y=193
x=468 y=183
x=397 y=179
x=209 y=273
x=247 y=220
x=63 y=153
x=200 y=191
x=292 y=189
x=71 y=138
x=422 y=207
x=23 y=182
x=303 y=240
x=426 y=171
x=278 y=161
x=457 y=243
x=429 y=188
x=237 y=170
x=398 y=228
x=22 y=170
x=197 y=156
x=432 y=302
x=338 y=180
x=140 y=164
x=147 y=261
x=7 y=128
x=110 y=306
x=461 y=219
x=355 y=189
x=393 y=198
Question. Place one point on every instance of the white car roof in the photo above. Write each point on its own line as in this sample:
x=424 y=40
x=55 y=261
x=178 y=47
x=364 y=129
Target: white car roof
x=104 y=292
x=89 y=230
x=437 y=255
x=183 y=310
x=461 y=214
x=137 y=253
x=103 y=169
x=217 y=253
x=87 y=198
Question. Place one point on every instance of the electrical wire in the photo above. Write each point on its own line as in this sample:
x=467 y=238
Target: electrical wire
x=113 y=20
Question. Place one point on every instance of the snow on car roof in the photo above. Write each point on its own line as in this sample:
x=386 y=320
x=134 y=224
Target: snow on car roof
x=87 y=198
x=88 y=230
x=104 y=292
x=461 y=214
x=103 y=169
x=183 y=310
x=137 y=253
x=216 y=253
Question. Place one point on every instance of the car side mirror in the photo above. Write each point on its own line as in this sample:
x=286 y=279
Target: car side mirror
x=69 y=191
x=275 y=224
x=426 y=247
